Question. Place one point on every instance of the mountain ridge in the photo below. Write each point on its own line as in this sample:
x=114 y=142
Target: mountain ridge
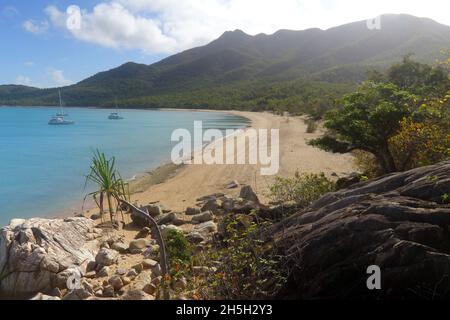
x=339 y=55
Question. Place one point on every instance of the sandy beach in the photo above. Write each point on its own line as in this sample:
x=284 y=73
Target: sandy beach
x=178 y=187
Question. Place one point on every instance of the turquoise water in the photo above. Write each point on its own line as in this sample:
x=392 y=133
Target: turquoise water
x=42 y=167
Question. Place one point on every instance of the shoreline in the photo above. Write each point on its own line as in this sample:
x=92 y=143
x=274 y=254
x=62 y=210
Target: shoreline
x=178 y=186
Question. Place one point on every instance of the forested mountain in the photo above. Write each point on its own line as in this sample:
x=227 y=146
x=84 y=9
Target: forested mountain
x=289 y=69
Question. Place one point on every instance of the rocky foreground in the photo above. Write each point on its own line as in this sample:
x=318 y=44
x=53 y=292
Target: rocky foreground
x=80 y=258
x=400 y=222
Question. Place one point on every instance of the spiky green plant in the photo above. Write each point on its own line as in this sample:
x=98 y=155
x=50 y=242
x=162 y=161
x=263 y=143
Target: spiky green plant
x=110 y=185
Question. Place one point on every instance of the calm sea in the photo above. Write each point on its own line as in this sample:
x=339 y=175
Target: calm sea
x=42 y=167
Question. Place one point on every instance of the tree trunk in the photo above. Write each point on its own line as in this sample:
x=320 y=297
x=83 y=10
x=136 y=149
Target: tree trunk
x=111 y=210
x=162 y=248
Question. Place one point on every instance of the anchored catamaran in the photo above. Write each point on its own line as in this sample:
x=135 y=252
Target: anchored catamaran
x=59 y=118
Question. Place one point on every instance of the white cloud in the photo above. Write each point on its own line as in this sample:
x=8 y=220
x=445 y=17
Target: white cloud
x=29 y=63
x=167 y=26
x=36 y=27
x=58 y=78
x=23 y=80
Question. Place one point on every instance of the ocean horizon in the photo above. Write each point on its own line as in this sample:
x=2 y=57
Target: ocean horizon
x=43 y=167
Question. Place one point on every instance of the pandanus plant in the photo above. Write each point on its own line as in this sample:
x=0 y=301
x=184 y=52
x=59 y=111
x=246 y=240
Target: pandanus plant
x=110 y=185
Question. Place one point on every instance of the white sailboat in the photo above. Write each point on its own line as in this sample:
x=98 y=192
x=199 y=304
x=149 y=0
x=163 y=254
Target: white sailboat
x=59 y=118
x=115 y=115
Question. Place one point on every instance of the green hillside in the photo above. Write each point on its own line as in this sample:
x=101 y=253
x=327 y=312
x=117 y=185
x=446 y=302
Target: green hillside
x=289 y=70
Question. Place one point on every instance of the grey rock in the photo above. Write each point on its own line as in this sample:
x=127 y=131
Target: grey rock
x=167 y=218
x=206 y=228
x=192 y=211
x=210 y=205
x=119 y=247
x=139 y=244
x=149 y=263
x=232 y=185
x=103 y=272
x=106 y=257
x=144 y=233
x=195 y=238
x=203 y=217
x=396 y=222
x=248 y=194
x=108 y=291
x=116 y=282
x=33 y=252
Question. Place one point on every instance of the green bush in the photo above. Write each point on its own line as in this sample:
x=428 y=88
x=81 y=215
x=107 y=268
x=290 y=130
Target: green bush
x=245 y=267
x=302 y=189
x=179 y=252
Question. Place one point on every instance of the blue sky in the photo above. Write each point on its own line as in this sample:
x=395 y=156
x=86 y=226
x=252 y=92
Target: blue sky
x=38 y=48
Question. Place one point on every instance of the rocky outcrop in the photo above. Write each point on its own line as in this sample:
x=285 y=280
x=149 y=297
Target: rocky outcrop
x=35 y=254
x=398 y=222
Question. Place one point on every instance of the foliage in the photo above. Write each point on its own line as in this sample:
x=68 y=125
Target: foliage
x=179 y=252
x=110 y=185
x=302 y=189
x=424 y=136
x=420 y=79
x=367 y=120
x=245 y=267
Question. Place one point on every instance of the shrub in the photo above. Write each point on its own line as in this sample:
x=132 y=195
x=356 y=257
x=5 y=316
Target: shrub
x=178 y=252
x=302 y=189
x=245 y=267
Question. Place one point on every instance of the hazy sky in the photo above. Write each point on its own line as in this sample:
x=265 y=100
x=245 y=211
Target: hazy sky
x=38 y=49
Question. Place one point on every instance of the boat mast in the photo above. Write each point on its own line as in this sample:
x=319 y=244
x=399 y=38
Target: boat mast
x=60 y=102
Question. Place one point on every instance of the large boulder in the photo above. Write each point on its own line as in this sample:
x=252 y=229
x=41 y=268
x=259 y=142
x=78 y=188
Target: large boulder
x=34 y=252
x=397 y=222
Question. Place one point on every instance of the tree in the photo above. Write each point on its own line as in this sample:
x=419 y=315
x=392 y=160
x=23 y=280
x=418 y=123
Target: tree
x=419 y=78
x=367 y=120
x=110 y=185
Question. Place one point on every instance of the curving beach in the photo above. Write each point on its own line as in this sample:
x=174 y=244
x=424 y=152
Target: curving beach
x=178 y=187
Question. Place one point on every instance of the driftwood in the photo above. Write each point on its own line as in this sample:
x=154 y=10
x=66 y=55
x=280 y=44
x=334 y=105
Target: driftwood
x=159 y=238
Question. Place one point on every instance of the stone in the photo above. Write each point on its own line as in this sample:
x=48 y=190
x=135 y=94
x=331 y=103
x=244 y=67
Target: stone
x=144 y=233
x=103 y=272
x=139 y=244
x=96 y=216
x=108 y=291
x=55 y=293
x=156 y=280
x=77 y=294
x=116 y=282
x=132 y=273
x=136 y=251
x=107 y=257
x=232 y=185
x=154 y=210
x=213 y=196
x=119 y=247
x=203 y=217
x=396 y=222
x=41 y=296
x=206 y=228
x=137 y=295
x=195 y=238
x=166 y=218
x=149 y=288
x=90 y=274
x=138 y=219
x=210 y=205
x=121 y=271
x=248 y=194
x=149 y=263
x=192 y=211
x=138 y=267
x=126 y=281
x=33 y=252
